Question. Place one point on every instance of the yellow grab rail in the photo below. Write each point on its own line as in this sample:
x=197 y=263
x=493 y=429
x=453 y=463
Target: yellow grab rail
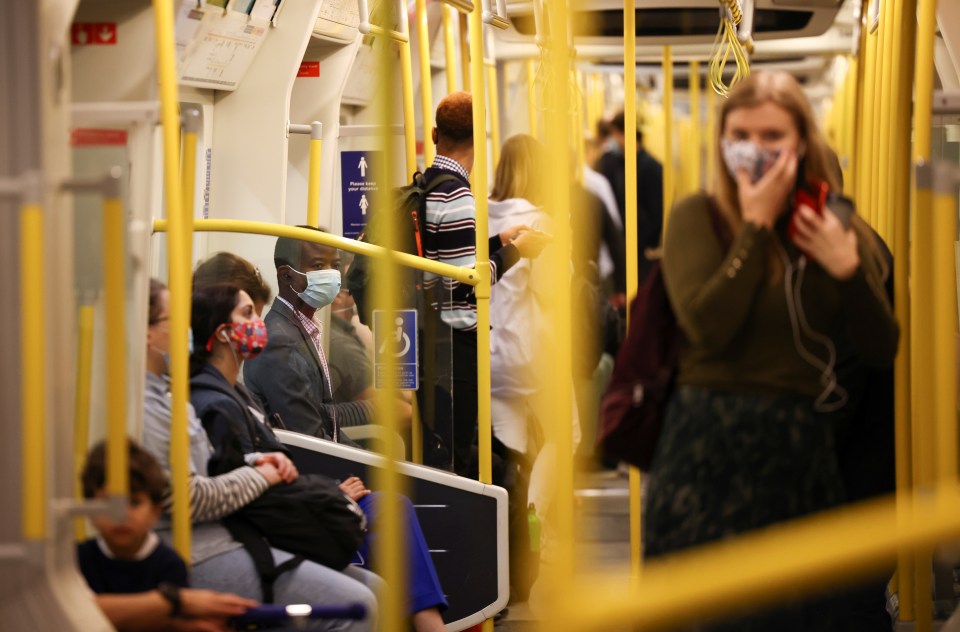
x=426 y=81
x=449 y=49
x=784 y=561
x=465 y=61
x=695 y=127
x=179 y=279
x=114 y=314
x=464 y=275
x=81 y=406
x=367 y=28
x=883 y=154
x=33 y=353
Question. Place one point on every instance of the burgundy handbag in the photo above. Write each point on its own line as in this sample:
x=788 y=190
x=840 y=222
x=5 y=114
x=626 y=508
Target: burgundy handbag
x=632 y=409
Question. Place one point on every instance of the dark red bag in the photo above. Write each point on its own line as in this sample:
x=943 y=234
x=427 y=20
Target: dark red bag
x=632 y=410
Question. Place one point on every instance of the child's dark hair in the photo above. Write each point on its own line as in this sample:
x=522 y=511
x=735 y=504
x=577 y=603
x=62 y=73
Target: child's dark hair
x=146 y=475
x=212 y=306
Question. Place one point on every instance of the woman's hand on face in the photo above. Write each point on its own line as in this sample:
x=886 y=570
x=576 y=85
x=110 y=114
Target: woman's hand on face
x=827 y=242
x=763 y=202
x=354 y=488
x=285 y=467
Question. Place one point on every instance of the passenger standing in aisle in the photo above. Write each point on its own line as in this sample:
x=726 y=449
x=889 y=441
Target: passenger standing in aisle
x=451 y=238
x=649 y=187
x=742 y=446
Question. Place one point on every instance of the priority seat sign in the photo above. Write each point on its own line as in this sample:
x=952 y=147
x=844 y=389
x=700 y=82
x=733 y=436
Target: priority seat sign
x=395 y=335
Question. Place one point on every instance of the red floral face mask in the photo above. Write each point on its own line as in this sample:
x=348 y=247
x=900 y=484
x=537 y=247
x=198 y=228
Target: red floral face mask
x=248 y=338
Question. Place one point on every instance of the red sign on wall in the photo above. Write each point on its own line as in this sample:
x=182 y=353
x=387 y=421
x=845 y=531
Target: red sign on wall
x=93 y=33
x=309 y=69
x=88 y=137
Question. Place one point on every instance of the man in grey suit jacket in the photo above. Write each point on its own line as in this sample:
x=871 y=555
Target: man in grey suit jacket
x=290 y=377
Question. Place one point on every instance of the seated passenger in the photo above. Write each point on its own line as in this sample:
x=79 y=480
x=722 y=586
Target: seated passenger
x=141 y=583
x=225 y=321
x=219 y=561
x=226 y=267
x=308 y=275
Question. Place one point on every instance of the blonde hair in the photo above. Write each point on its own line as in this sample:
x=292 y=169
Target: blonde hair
x=519 y=173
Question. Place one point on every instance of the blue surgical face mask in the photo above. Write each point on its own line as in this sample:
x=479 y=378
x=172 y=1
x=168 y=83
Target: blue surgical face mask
x=322 y=287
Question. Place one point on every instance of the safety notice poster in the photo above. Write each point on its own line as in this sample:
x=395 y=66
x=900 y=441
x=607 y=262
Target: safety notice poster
x=359 y=187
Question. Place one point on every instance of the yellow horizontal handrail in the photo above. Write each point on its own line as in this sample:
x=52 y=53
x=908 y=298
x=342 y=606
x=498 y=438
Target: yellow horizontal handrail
x=463 y=275
x=838 y=546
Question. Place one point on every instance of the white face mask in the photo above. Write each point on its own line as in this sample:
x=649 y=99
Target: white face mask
x=322 y=287
x=742 y=154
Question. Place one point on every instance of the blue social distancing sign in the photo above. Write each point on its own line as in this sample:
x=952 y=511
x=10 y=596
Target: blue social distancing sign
x=358 y=188
x=395 y=339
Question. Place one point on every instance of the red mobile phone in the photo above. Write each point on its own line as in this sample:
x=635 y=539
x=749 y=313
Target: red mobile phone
x=814 y=194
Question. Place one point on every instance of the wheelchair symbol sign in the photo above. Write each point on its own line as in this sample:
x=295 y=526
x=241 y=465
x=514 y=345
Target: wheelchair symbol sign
x=395 y=342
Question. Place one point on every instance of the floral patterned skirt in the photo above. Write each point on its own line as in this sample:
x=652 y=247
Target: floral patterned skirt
x=728 y=463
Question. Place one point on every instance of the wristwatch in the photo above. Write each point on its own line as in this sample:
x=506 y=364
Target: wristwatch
x=170 y=592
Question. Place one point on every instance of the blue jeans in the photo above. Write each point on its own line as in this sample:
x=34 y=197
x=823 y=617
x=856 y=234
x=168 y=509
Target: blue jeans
x=309 y=582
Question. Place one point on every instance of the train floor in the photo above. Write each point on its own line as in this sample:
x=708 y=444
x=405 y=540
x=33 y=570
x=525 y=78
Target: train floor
x=602 y=538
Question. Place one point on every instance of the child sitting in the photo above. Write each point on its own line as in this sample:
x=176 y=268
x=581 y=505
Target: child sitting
x=140 y=582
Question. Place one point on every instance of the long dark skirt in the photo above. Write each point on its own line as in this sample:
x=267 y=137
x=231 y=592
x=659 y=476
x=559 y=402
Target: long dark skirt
x=726 y=464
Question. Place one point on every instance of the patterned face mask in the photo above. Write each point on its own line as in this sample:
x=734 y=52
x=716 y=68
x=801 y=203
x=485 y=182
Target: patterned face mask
x=248 y=338
x=743 y=154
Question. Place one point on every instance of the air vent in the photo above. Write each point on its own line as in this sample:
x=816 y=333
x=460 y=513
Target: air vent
x=669 y=22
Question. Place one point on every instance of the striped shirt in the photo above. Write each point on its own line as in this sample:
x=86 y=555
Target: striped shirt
x=451 y=234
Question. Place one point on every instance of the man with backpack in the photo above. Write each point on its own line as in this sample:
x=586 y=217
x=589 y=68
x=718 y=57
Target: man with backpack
x=450 y=237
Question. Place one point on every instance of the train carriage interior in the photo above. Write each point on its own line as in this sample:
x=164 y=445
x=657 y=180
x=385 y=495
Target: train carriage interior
x=157 y=156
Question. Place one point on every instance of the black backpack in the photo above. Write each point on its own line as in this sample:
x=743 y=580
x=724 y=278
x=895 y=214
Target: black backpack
x=409 y=219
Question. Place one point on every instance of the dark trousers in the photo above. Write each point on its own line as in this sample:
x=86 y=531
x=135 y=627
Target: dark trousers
x=464 y=396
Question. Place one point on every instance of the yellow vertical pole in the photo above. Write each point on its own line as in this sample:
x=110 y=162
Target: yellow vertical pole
x=558 y=138
x=711 y=137
x=494 y=112
x=479 y=177
x=531 y=75
x=867 y=133
x=697 y=138
x=921 y=277
x=389 y=548
x=859 y=130
x=313 y=178
x=945 y=325
x=179 y=238
x=82 y=398
x=114 y=303
x=590 y=111
x=406 y=85
x=668 y=175
x=449 y=49
x=900 y=245
x=33 y=353
x=630 y=228
x=884 y=89
x=426 y=87
x=465 y=45
x=849 y=123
